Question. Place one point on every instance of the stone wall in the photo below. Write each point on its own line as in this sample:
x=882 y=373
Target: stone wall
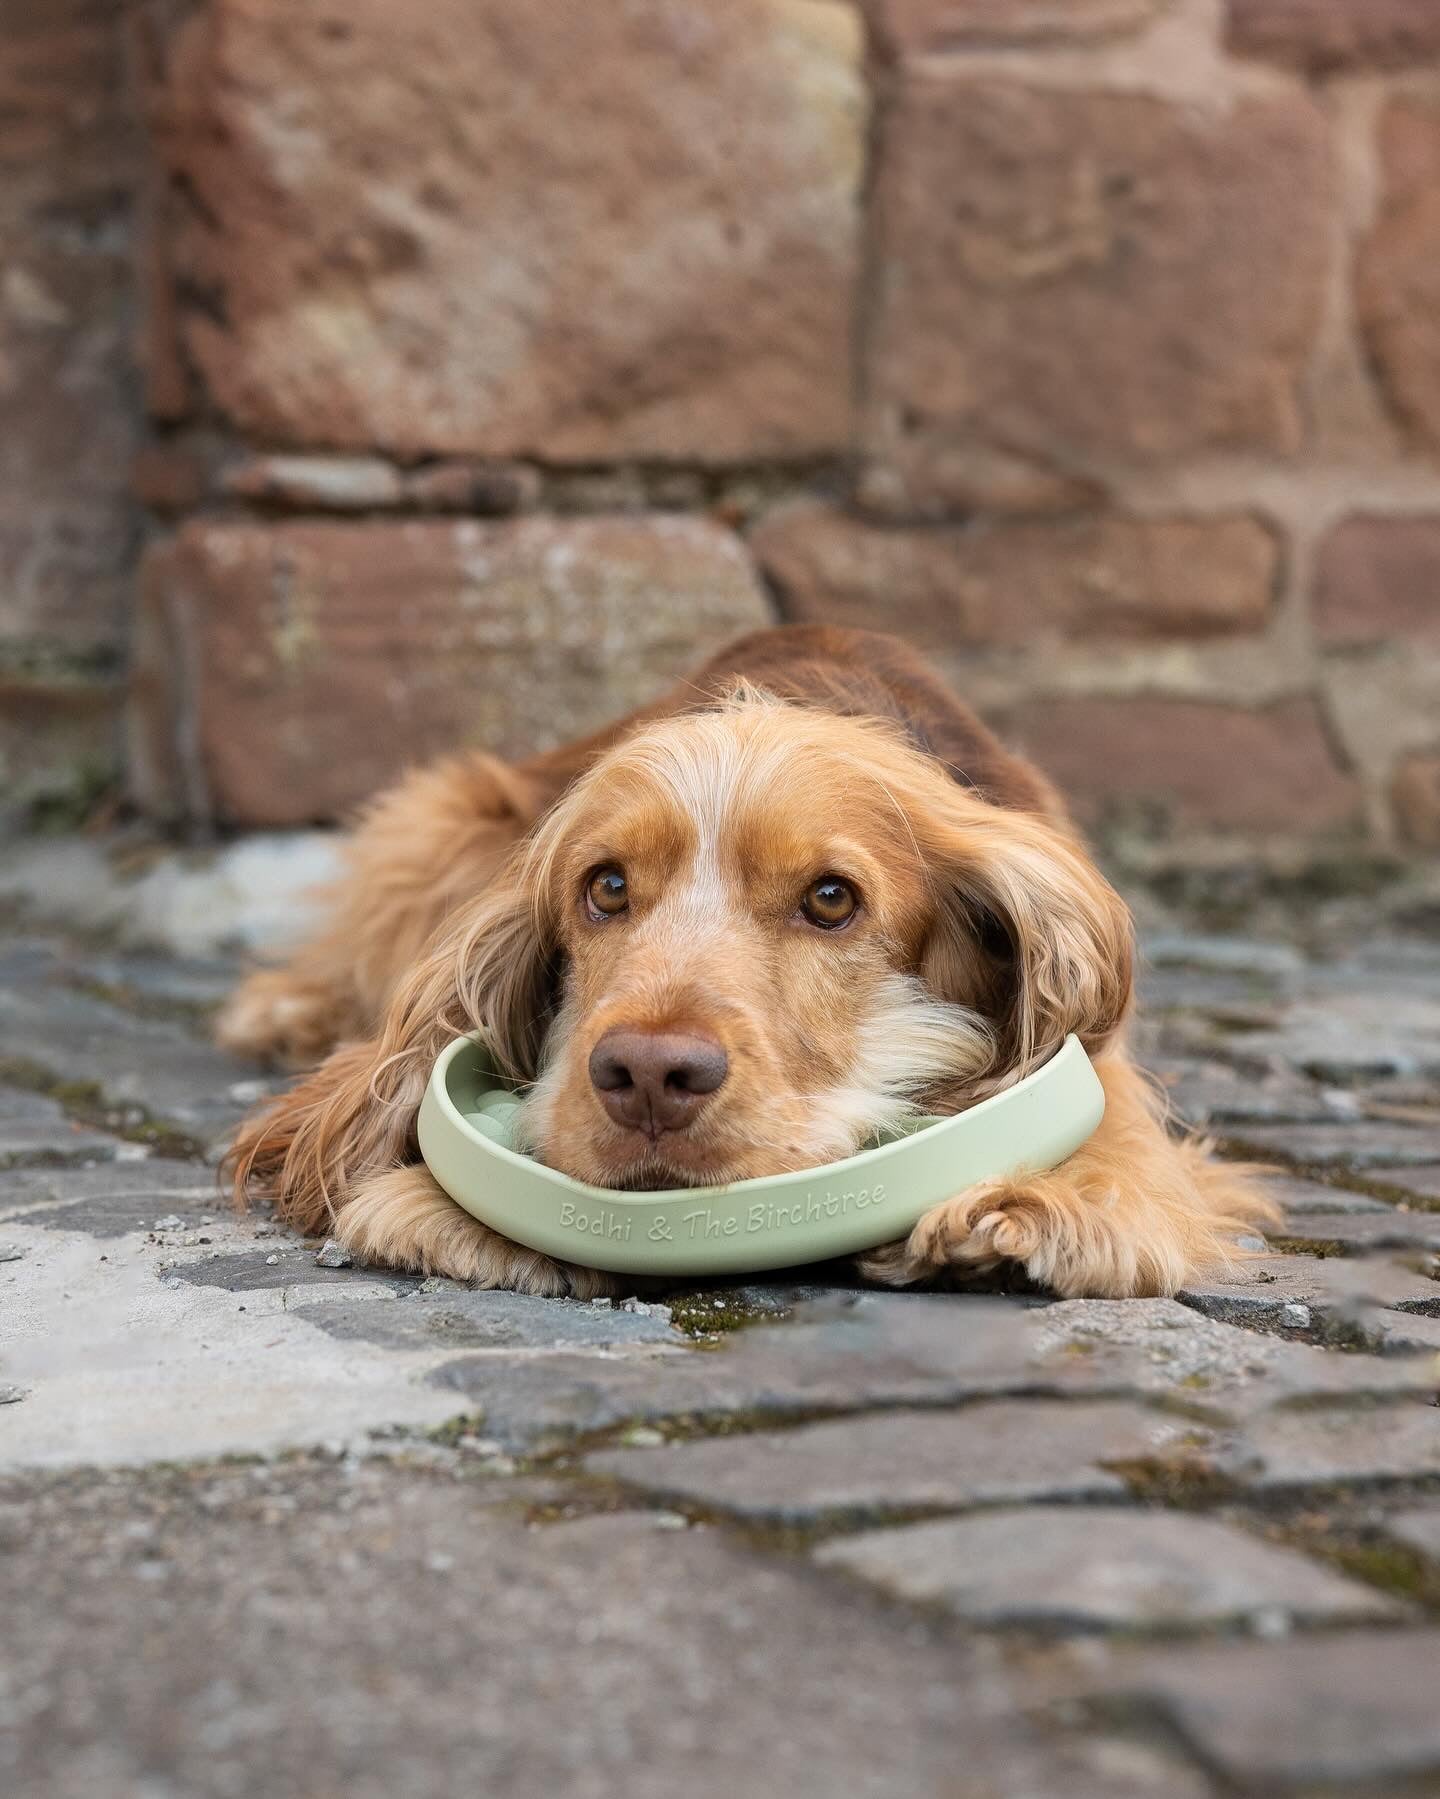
x=500 y=359
x=69 y=406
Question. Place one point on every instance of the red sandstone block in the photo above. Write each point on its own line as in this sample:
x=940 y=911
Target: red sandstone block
x=285 y=671
x=482 y=228
x=1200 y=765
x=1018 y=584
x=1075 y=278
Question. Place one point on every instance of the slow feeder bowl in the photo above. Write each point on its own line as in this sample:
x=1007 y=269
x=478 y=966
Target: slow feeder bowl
x=779 y=1221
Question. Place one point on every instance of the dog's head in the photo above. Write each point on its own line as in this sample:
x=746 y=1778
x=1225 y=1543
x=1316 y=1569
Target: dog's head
x=753 y=935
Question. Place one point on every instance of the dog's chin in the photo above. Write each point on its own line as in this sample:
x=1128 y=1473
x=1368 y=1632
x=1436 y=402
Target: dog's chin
x=658 y=1180
x=653 y=1172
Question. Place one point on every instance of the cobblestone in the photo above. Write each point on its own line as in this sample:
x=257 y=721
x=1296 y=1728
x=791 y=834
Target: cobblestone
x=34 y=1128
x=962 y=1505
x=982 y=1454
x=1082 y=1567
x=1419 y=1531
x=1355 y=1707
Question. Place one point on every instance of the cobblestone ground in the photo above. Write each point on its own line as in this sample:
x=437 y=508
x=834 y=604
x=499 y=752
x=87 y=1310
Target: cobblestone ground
x=271 y=1527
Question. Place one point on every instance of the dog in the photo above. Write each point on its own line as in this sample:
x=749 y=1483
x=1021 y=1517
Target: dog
x=802 y=896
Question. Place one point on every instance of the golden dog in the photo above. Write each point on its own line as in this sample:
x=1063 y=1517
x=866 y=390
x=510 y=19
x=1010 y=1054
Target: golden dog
x=738 y=933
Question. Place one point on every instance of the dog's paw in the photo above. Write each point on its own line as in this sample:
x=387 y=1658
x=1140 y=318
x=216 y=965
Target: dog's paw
x=403 y=1219
x=971 y=1235
x=273 y=1016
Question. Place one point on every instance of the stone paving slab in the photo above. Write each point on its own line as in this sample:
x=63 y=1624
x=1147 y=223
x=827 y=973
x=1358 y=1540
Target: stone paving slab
x=1301 y=1294
x=142 y=1322
x=869 y=1351
x=34 y=1128
x=1349 y=1037
x=1301 y=1198
x=1355 y=1707
x=1419 y=1531
x=1085 y=1568
x=1205 y=1093
x=849 y=1352
x=1163 y=1348
x=111 y=1202
x=456 y=1318
x=982 y=1454
x=1362 y=1145
x=294 y=1632
x=144 y=1068
x=1350 y=1445
x=1424 y=1182
x=1356 y=1232
x=281 y=1264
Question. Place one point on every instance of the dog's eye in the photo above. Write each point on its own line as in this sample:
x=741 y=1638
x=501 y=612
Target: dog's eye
x=829 y=903
x=607 y=893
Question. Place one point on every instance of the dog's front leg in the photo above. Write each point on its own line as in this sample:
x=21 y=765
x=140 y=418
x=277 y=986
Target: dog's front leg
x=404 y=1219
x=1132 y=1213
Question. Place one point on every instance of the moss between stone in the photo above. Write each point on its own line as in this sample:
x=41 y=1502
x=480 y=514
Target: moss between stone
x=1357 y=1548
x=1326 y=1248
x=711 y=1314
x=85 y=1102
x=143 y=1005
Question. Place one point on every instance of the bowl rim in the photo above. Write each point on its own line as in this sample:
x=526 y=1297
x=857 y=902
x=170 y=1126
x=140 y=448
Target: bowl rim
x=864 y=1200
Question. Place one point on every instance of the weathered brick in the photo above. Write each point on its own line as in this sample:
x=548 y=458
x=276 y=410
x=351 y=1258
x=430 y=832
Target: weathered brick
x=1199 y=763
x=67 y=418
x=935 y=24
x=319 y=659
x=1415 y=797
x=385 y=243
x=1379 y=578
x=1320 y=36
x=1072 y=277
x=1398 y=269
x=59 y=740
x=1022 y=583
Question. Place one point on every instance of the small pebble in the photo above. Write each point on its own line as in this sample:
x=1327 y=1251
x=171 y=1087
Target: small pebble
x=331 y=1255
x=172 y=1221
x=642 y=1310
x=11 y=1252
x=1295 y=1315
x=1271 y=1622
x=11 y=1395
x=271 y=1260
x=132 y=1152
x=643 y=1436
x=603 y=1303
x=478 y=1446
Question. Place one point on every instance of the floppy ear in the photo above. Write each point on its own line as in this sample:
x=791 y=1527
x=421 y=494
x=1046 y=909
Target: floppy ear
x=1029 y=932
x=491 y=969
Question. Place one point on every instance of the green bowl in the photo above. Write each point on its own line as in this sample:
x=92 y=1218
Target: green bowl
x=778 y=1221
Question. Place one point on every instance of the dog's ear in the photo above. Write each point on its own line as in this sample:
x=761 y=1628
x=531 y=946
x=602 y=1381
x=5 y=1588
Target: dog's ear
x=1028 y=931
x=490 y=970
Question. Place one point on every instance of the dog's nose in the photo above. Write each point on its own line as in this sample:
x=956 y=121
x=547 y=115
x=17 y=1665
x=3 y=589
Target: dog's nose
x=655 y=1081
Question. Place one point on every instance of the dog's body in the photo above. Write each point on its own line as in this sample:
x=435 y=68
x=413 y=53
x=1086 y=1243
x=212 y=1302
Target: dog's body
x=738 y=932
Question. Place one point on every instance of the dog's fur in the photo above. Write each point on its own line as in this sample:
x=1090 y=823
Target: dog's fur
x=983 y=937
